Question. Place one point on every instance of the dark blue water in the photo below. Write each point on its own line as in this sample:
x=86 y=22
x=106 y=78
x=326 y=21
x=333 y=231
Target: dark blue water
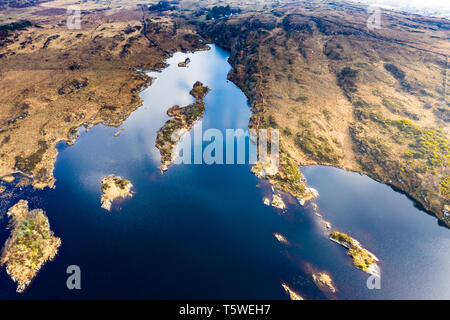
x=202 y=231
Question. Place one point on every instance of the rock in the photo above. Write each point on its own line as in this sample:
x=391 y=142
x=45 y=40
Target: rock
x=310 y=193
x=278 y=202
x=266 y=168
x=8 y=179
x=281 y=238
x=326 y=224
x=446 y=211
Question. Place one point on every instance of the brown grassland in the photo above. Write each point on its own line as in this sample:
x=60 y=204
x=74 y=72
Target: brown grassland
x=371 y=101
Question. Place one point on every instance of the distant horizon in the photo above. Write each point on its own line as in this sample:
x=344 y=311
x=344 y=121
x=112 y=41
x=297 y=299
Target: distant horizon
x=431 y=7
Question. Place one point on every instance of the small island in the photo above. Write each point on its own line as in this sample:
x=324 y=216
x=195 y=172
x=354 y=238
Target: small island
x=292 y=294
x=362 y=258
x=184 y=63
x=323 y=280
x=8 y=179
x=281 y=238
x=114 y=188
x=278 y=202
x=30 y=245
x=183 y=120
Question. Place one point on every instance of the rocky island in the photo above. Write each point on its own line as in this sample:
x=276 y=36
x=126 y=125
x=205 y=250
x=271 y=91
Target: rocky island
x=281 y=238
x=292 y=294
x=114 y=188
x=183 y=120
x=323 y=280
x=362 y=258
x=184 y=63
x=278 y=202
x=30 y=244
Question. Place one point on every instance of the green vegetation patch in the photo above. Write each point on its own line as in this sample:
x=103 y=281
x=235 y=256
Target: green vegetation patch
x=362 y=258
x=289 y=177
x=161 y=6
x=445 y=187
x=346 y=80
x=429 y=144
x=317 y=147
x=28 y=164
x=395 y=71
x=19 y=25
x=121 y=183
x=397 y=107
x=217 y=12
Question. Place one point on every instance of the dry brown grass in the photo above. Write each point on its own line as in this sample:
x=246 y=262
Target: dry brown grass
x=42 y=102
x=289 y=61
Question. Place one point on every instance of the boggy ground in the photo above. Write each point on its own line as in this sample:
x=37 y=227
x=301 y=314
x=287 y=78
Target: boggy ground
x=371 y=101
x=54 y=79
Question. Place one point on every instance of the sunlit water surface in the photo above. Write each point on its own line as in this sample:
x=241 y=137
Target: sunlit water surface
x=202 y=231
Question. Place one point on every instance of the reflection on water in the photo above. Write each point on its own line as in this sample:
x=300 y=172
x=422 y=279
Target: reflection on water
x=413 y=248
x=203 y=231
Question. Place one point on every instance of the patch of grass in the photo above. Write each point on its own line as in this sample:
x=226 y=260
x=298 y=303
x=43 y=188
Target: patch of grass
x=121 y=183
x=289 y=177
x=429 y=144
x=362 y=259
x=19 y=25
x=445 y=187
x=301 y=98
x=28 y=164
x=397 y=107
x=317 y=147
x=327 y=114
x=393 y=105
x=287 y=132
x=395 y=71
x=346 y=80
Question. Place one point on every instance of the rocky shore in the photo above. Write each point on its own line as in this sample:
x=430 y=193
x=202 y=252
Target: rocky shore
x=183 y=120
x=284 y=174
x=30 y=245
x=114 y=188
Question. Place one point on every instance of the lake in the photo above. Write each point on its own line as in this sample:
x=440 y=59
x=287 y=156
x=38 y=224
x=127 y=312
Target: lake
x=203 y=232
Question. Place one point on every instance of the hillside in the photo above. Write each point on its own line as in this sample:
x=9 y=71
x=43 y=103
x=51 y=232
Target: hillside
x=374 y=102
